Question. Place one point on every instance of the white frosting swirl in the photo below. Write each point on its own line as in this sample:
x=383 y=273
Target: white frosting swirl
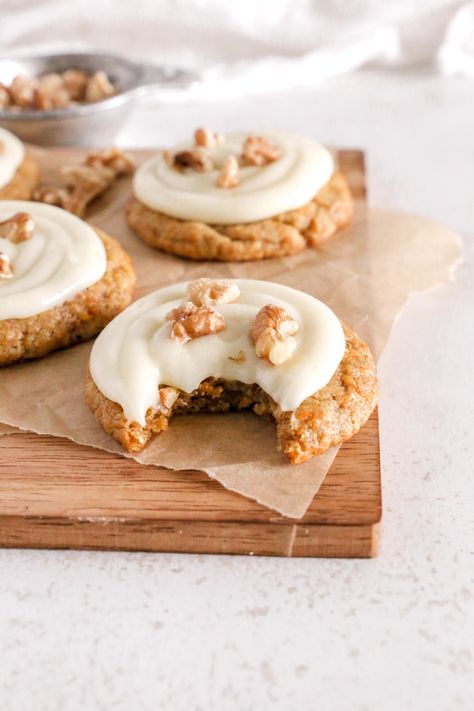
x=135 y=354
x=64 y=256
x=285 y=184
x=12 y=154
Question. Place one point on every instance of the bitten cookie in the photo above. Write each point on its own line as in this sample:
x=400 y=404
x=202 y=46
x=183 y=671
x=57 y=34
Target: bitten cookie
x=61 y=281
x=19 y=174
x=239 y=197
x=227 y=345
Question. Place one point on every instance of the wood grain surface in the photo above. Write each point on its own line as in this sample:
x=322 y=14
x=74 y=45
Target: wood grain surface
x=57 y=494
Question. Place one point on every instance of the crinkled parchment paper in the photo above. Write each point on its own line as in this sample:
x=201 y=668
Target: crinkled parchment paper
x=365 y=275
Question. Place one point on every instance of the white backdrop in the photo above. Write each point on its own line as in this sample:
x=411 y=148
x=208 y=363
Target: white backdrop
x=93 y=631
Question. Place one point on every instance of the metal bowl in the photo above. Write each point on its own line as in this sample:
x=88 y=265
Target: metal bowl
x=85 y=124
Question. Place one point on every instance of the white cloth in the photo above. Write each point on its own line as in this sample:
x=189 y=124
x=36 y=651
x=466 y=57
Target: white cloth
x=247 y=46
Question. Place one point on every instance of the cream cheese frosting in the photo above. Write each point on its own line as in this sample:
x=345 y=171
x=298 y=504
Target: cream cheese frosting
x=135 y=353
x=12 y=154
x=285 y=184
x=64 y=256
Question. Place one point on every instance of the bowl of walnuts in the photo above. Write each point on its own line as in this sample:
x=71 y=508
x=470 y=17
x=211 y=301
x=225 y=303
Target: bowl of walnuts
x=76 y=98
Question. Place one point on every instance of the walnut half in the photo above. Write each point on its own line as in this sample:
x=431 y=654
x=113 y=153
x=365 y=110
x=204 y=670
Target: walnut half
x=204 y=292
x=189 y=321
x=272 y=332
x=18 y=228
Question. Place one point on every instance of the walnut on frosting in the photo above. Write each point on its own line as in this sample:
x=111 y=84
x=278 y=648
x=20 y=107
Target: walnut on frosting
x=17 y=228
x=6 y=271
x=271 y=333
x=206 y=138
x=205 y=292
x=197 y=159
x=229 y=175
x=258 y=150
x=189 y=321
x=85 y=181
x=240 y=357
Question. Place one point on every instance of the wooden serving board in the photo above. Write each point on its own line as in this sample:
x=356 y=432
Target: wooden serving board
x=57 y=494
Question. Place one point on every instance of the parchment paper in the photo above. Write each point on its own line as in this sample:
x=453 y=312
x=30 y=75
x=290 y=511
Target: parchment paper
x=365 y=275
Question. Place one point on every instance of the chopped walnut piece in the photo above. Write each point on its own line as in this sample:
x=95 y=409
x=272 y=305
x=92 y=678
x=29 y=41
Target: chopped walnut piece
x=4 y=97
x=167 y=398
x=41 y=101
x=239 y=358
x=206 y=138
x=99 y=87
x=6 y=271
x=22 y=90
x=51 y=195
x=75 y=82
x=51 y=82
x=85 y=183
x=55 y=90
x=121 y=163
x=45 y=102
x=272 y=332
x=197 y=159
x=51 y=93
x=18 y=228
x=229 y=174
x=258 y=150
x=189 y=321
x=204 y=292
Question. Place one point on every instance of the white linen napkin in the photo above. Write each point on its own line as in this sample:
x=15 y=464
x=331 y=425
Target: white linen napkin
x=251 y=47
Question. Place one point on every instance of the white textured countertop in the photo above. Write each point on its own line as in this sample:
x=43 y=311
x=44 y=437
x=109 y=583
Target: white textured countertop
x=81 y=630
